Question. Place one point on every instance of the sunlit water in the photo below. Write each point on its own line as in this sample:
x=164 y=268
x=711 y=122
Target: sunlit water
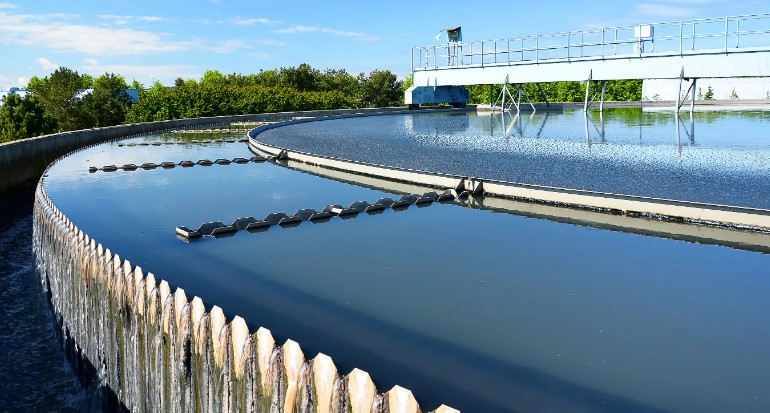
x=721 y=158
x=479 y=310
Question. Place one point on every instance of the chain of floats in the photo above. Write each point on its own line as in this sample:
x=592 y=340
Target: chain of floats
x=181 y=142
x=170 y=165
x=253 y=225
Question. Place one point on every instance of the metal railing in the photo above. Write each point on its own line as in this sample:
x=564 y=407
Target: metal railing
x=713 y=35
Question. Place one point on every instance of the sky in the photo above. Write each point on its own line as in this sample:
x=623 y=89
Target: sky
x=162 y=40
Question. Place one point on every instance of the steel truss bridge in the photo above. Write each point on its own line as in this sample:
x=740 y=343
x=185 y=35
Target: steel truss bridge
x=724 y=47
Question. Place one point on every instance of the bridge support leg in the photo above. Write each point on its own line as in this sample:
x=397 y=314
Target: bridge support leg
x=601 y=103
x=680 y=97
x=692 y=97
x=588 y=91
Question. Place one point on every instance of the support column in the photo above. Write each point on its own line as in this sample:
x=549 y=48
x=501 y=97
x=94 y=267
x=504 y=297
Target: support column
x=601 y=104
x=588 y=90
x=692 y=97
x=679 y=92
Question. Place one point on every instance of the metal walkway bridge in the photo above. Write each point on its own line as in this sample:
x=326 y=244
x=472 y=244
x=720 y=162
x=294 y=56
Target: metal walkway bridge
x=725 y=47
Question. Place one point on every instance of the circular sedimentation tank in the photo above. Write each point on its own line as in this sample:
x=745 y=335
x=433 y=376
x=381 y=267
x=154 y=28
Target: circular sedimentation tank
x=479 y=303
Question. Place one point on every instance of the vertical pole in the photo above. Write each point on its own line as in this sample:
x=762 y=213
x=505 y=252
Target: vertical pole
x=601 y=105
x=692 y=97
x=679 y=93
x=727 y=29
x=491 y=102
x=737 y=33
x=588 y=90
x=680 y=36
x=603 y=43
x=693 y=36
x=537 y=48
x=505 y=85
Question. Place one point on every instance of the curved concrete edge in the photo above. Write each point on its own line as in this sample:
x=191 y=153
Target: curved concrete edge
x=160 y=351
x=705 y=234
x=757 y=220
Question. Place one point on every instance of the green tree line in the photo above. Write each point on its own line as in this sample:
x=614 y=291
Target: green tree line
x=67 y=100
x=615 y=90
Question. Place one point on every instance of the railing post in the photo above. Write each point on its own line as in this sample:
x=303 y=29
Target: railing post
x=569 y=42
x=482 y=53
x=537 y=48
x=737 y=33
x=435 y=58
x=693 y=36
x=680 y=36
x=603 y=44
x=727 y=30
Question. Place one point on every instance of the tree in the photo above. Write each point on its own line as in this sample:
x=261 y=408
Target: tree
x=59 y=94
x=303 y=78
x=709 y=94
x=381 y=89
x=107 y=104
x=22 y=118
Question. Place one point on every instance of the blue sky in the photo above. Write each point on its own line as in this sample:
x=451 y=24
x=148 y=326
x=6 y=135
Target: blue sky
x=166 y=39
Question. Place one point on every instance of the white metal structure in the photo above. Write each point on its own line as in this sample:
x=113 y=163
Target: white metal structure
x=724 y=47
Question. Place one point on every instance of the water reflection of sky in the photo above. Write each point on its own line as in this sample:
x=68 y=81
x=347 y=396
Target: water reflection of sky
x=720 y=157
x=482 y=311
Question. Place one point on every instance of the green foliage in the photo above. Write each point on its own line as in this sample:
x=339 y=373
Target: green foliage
x=59 y=94
x=709 y=94
x=381 y=89
x=190 y=100
x=734 y=94
x=615 y=90
x=23 y=117
x=107 y=104
x=286 y=89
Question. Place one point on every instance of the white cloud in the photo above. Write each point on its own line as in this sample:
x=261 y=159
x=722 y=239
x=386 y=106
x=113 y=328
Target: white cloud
x=335 y=32
x=46 y=64
x=5 y=5
x=153 y=19
x=79 y=38
x=251 y=22
x=125 y=19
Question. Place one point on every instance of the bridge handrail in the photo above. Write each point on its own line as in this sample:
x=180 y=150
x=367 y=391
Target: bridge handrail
x=672 y=37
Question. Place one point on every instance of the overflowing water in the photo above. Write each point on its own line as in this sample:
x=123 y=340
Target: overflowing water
x=482 y=311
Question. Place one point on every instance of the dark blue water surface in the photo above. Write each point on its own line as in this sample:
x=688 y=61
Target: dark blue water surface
x=721 y=158
x=482 y=311
x=34 y=375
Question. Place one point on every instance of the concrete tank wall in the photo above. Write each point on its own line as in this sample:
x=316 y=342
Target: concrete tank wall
x=158 y=350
